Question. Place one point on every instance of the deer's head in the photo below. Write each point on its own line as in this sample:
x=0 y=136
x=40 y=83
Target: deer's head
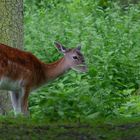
x=73 y=57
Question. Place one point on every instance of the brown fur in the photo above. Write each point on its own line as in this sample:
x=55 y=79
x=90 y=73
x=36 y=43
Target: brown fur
x=21 y=65
x=17 y=64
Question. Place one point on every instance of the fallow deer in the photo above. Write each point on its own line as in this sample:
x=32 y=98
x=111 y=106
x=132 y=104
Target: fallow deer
x=21 y=72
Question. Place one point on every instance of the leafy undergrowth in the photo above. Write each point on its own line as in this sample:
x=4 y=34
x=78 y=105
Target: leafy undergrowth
x=100 y=129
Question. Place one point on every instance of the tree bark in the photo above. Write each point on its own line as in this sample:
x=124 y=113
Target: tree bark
x=11 y=33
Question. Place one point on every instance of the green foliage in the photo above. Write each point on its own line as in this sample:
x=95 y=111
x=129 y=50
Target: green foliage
x=110 y=39
x=99 y=129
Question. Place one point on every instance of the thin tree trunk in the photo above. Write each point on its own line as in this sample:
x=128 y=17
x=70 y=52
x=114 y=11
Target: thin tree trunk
x=11 y=33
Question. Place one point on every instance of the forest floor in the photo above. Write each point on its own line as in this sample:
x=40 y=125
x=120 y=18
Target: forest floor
x=25 y=129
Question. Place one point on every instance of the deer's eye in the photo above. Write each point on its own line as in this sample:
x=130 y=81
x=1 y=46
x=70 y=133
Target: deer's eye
x=75 y=57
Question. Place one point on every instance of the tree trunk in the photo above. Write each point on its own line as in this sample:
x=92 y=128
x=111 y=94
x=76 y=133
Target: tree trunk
x=11 y=33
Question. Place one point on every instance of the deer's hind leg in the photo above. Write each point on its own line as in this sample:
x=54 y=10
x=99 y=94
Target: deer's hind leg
x=16 y=98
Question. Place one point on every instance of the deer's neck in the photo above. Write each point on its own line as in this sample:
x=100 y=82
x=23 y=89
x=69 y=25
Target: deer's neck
x=55 y=69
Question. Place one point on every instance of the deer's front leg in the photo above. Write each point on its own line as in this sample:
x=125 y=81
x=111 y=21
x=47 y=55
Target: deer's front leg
x=25 y=101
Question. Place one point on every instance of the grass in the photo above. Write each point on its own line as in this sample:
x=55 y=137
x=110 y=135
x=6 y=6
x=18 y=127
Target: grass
x=99 y=129
x=110 y=44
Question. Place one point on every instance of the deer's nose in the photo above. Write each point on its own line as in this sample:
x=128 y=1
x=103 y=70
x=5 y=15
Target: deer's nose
x=83 y=61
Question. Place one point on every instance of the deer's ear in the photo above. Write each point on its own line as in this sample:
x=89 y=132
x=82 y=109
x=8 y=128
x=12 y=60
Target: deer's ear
x=60 y=47
x=78 y=47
